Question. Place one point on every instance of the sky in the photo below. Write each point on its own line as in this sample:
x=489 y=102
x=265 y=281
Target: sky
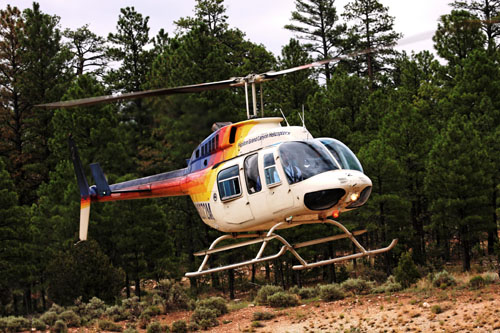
x=261 y=20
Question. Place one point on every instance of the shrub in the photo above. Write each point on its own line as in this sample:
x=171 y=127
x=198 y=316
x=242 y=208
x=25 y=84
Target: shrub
x=133 y=306
x=70 y=318
x=49 y=318
x=476 y=282
x=179 y=326
x=357 y=286
x=406 y=273
x=130 y=330
x=117 y=313
x=154 y=327
x=282 y=300
x=38 y=325
x=152 y=311
x=443 y=280
x=257 y=324
x=107 y=325
x=193 y=327
x=95 y=308
x=174 y=295
x=144 y=320
x=13 y=324
x=388 y=286
x=216 y=303
x=263 y=315
x=205 y=317
x=436 y=309
x=331 y=292
x=305 y=293
x=265 y=292
x=59 y=327
x=56 y=308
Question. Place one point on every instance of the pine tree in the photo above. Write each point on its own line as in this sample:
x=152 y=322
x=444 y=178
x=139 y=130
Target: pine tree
x=455 y=182
x=88 y=51
x=488 y=13
x=372 y=31
x=457 y=35
x=317 y=24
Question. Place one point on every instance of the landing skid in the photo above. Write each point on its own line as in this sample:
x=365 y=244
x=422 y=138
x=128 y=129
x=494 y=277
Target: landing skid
x=259 y=238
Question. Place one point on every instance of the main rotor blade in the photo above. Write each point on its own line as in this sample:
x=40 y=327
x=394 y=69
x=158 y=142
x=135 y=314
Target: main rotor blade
x=140 y=94
x=413 y=39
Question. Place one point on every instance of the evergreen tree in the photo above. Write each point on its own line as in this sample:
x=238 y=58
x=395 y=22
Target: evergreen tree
x=372 y=33
x=457 y=35
x=455 y=182
x=88 y=51
x=488 y=13
x=44 y=78
x=15 y=251
x=317 y=23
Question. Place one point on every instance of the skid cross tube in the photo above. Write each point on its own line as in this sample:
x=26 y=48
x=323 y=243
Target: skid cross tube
x=258 y=238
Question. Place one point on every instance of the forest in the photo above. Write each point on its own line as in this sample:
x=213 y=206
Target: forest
x=426 y=129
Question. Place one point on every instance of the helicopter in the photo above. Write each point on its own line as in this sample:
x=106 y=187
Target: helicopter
x=248 y=179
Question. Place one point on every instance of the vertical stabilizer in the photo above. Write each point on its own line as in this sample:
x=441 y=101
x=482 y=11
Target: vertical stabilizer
x=84 y=190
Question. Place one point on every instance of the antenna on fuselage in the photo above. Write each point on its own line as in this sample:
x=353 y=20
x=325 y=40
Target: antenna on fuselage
x=287 y=124
x=303 y=117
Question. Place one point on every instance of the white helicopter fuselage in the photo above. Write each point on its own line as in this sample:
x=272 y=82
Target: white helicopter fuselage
x=255 y=190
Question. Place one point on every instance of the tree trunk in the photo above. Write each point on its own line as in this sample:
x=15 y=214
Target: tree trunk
x=230 y=274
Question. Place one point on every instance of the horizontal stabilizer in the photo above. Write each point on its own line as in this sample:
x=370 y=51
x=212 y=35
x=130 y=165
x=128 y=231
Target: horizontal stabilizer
x=101 y=182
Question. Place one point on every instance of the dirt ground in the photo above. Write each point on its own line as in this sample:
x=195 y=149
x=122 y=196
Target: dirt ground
x=462 y=310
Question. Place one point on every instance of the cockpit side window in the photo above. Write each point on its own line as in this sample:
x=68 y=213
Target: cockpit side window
x=270 y=172
x=302 y=160
x=344 y=156
x=252 y=174
x=228 y=182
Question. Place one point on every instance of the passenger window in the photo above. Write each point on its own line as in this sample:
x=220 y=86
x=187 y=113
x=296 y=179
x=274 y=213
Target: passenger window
x=252 y=174
x=228 y=182
x=270 y=172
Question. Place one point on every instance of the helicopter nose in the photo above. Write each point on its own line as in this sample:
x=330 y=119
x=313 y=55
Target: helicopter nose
x=324 y=199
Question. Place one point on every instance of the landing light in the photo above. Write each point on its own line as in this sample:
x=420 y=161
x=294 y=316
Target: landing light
x=354 y=196
x=335 y=213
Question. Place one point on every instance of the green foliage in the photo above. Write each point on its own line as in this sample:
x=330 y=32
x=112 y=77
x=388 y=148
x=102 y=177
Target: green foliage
x=331 y=292
x=38 y=324
x=94 y=309
x=154 y=327
x=357 y=286
x=406 y=273
x=49 y=318
x=436 y=309
x=282 y=299
x=130 y=330
x=107 y=325
x=84 y=271
x=476 y=282
x=443 y=280
x=306 y=293
x=263 y=315
x=13 y=324
x=205 y=317
x=59 y=327
x=179 y=326
x=216 y=303
x=70 y=318
x=174 y=295
x=266 y=291
x=389 y=286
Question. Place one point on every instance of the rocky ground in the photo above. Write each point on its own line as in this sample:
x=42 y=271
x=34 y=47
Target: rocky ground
x=456 y=309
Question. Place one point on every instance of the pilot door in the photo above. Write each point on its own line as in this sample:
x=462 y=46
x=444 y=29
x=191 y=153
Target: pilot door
x=268 y=194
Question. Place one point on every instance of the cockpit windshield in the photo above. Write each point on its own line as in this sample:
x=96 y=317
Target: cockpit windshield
x=302 y=160
x=342 y=154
